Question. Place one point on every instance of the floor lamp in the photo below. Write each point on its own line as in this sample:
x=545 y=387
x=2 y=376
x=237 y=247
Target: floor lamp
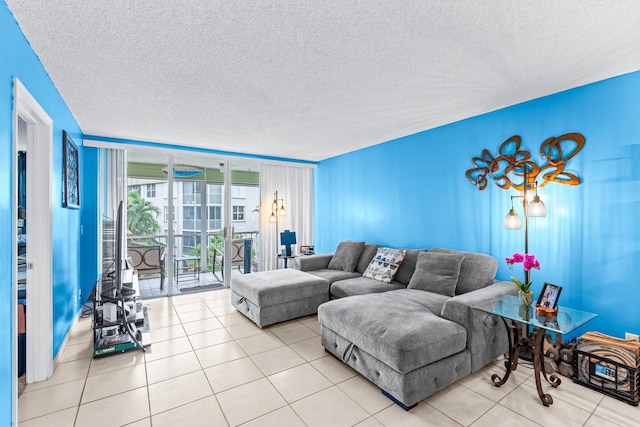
x=532 y=208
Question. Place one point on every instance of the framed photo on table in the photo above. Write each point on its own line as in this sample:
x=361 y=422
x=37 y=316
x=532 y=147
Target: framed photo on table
x=306 y=250
x=71 y=184
x=549 y=296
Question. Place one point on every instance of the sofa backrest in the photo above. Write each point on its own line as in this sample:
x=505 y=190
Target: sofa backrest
x=476 y=272
x=405 y=271
x=408 y=266
x=367 y=255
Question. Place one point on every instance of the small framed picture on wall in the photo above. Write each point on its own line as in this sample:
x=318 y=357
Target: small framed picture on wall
x=71 y=184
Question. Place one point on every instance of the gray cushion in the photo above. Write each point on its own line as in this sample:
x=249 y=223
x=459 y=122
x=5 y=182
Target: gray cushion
x=368 y=253
x=437 y=272
x=274 y=287
x=333 y=275
x=477 y=271
x=434 y=302
x=400 y=332
x=346 y=256
x=408 y=266
x=361 y=286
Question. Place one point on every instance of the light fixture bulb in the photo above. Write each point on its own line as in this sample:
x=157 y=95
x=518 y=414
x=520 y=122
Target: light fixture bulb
x=530 y=193
x=282 y=211
x=272 y=218
x=536 y=208
x=512 y=221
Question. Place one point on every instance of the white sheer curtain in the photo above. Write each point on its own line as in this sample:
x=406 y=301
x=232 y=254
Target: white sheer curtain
x=295 y=187
x=113 y=180
x=113 y=191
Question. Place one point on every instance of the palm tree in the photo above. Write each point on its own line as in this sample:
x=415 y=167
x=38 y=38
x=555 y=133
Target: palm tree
x=141 y=215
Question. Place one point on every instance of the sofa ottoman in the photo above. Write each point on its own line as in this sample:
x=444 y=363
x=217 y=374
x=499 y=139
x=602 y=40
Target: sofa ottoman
x=397 y=341
x=274 y=296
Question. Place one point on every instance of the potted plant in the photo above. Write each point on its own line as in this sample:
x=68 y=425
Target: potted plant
x=529 y=262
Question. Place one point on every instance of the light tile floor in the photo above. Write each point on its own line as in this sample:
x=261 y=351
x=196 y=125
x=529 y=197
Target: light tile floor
x=210 y=366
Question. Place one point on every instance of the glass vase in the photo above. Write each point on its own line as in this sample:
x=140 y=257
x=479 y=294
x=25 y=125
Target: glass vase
x=527 y=297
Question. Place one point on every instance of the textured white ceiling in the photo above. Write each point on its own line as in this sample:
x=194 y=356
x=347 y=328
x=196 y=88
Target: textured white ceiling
x=311 y=79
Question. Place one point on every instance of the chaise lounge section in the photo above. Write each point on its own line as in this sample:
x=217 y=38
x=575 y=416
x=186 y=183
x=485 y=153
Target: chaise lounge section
x=425 y=332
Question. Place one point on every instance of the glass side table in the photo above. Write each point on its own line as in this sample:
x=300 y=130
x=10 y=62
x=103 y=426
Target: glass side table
x=517 y=319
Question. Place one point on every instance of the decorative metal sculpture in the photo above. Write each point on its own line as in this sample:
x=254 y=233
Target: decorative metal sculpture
x=512 y=161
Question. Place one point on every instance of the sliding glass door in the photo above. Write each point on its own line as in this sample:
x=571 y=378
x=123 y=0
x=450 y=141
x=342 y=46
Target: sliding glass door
x=149 y=220
x=205 y=212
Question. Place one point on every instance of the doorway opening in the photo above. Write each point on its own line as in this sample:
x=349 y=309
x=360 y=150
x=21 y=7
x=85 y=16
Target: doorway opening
x=33 y=135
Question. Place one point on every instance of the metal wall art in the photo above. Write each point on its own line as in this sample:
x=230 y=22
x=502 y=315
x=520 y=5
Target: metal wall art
x=71 y=189
x=511 y=162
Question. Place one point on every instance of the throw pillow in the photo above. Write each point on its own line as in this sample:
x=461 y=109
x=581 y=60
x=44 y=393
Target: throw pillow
x=477 y=270
x=437 y=272
x=346 y=256
x=384 y=264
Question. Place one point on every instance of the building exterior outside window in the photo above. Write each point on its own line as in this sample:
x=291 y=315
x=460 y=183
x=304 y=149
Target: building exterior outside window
x=191 y=218
x=214 y=194
x=151 y=190
x=191 y=192
x=215 y=217
x=187 y=213
x=238 y=213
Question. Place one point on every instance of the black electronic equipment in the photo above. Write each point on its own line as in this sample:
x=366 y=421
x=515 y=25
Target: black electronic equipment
x=115 y=309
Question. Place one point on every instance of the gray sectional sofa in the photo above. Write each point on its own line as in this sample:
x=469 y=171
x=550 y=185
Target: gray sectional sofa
x=419 y=332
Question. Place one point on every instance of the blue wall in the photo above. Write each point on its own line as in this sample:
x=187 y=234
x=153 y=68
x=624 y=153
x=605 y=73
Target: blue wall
x=412 y=192
x=19 y=60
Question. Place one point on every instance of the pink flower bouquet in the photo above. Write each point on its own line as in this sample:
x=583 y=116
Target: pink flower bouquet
x=530 y=262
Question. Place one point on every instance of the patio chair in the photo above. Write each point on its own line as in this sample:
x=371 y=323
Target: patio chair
x=148 y=259
x=238 y=249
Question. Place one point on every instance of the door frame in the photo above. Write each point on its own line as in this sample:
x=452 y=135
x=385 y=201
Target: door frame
x=227 y=226
x=39 y=274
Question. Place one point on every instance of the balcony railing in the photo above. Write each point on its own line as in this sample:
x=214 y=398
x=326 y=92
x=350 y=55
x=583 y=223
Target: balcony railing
x=188 y=244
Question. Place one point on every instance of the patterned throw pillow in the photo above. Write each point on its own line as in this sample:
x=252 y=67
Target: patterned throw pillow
x=385 y=264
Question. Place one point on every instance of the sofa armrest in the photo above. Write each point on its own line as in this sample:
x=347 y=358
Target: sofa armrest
x=486 y=335
x=313 y=262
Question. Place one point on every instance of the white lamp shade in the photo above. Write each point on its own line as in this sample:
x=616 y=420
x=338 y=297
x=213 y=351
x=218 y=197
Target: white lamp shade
x=537 y=208
x=512 y=221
